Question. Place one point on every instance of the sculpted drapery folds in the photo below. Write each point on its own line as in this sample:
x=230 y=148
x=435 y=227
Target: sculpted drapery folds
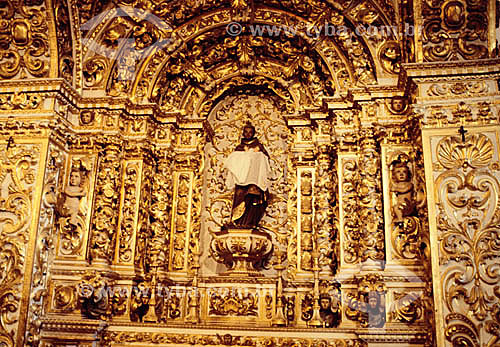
x=249 y=170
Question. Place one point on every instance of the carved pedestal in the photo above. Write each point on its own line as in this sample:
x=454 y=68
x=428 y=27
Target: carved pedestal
x=241 y=250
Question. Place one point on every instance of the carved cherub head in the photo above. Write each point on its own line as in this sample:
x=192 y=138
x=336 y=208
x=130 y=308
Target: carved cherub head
x=400 y=170
x=78 y=174
x=75 y=178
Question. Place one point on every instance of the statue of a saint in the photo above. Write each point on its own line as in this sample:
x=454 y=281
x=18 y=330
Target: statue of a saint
x=249 y=170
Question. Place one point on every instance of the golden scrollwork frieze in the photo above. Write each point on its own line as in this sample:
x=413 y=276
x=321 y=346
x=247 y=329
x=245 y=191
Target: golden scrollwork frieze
x=110 y=338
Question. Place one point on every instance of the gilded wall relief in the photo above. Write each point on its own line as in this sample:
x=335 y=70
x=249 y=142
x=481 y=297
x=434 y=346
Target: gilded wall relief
x=19 y=177
x=112 y=338
x=350 y=238
x=153 y=239
x=21 y=101
x=455 y=30
x=24 y=40
x=106 y=202
x=370 y=198
x=188 y=173
x=326 y=206
x=129 y=211
x=45 y=244
x=407 y=307
x=64 y=39
x=227 y=120
x=230 y=303
x=465 y=181
x=180 y=227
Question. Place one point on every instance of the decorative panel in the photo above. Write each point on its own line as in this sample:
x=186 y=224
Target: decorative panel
x=454 y=30
x=25 y=40
x=129 y=211
x=462 y=173
x=22 y=165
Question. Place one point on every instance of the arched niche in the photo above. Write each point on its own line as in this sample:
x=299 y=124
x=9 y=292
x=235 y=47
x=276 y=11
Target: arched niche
x=265 y=112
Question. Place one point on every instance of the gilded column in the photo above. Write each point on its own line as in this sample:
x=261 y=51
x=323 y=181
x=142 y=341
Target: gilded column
x=106 y=203
x=460 y=135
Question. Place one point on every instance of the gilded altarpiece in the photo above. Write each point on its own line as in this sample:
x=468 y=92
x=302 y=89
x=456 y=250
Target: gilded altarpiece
x=381 y=228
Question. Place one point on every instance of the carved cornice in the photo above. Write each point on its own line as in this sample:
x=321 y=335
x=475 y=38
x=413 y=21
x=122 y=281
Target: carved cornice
x=433 y=69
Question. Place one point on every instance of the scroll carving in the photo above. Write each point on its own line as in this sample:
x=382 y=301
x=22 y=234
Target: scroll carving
x=105 y=219
x=455 y=30
x=225 y=340
x=156 y=240
x=468 y=222
x=24 y=40
x=233 y=303
x=17 y=178
x=350 y=208
x=64 y=39
x=370 y=198
x=129 y=211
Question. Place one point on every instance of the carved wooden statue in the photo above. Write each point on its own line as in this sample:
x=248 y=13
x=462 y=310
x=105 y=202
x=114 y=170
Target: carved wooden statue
x=403 y=204
x=249 y=170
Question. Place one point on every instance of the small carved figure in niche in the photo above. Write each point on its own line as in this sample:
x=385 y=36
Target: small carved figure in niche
x=289 y=309
x=139 y=303
x=173 y=303
x=249 y=170
x=306 y=260
x=403 y=204
x=72 y=195
x=375 y=310
x=329 y=310
x=307 y=242
x=307 y=223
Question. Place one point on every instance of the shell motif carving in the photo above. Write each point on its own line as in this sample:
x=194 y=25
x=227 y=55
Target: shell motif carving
x=476 y=151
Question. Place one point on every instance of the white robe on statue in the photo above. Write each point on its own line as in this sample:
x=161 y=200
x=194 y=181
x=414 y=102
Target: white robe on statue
x=248 y=168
